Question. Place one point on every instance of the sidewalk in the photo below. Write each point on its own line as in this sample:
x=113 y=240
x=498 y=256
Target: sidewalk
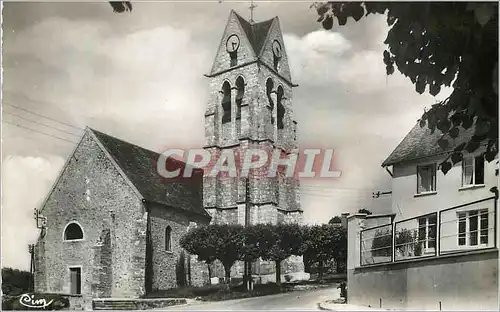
x=329 y=305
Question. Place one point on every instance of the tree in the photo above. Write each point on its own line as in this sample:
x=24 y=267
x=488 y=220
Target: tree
x=16 y=282
x=121 y=6
x=438 y=44
x=335 y=220
x=281 y=242
x=325 y=242
x=368 y=212
x=216 y=242
x=200 y=241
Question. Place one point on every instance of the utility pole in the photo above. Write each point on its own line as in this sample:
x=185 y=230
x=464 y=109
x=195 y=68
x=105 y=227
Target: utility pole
x=31 y=249
x=248 y=265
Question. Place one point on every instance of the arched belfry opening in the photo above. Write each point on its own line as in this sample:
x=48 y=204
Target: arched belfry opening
x=240 y=86
x=226 y=103
x=269 y=90
x=280 y=107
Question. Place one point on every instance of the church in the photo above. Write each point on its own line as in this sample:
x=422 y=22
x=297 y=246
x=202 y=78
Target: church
x=111 y=224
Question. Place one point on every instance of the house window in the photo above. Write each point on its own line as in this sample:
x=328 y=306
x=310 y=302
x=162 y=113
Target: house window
x=473 y=228
x=427 y=232
x=168 y=238
x=473 y=171
x=73 y=231
x=75 y=280
x=426 y=176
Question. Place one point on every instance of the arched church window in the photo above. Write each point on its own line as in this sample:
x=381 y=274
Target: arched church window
x=168 y=238
x=269 y=90
x=73 y=231
x=277 y=53
x=240 y=85
x=226 y=103
x=281 y=108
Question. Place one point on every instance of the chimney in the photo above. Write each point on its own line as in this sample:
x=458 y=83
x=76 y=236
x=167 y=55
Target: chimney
x=343 y=218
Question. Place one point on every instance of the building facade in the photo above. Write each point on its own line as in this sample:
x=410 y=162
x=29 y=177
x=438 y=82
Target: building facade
x=250 y=108
x=113 y=225
x=438 y=249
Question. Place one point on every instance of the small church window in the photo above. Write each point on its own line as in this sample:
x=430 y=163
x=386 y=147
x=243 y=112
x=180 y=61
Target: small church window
x=73 y=231
x=168 y=238
x=240 y=85
x=281 y=108
x=234 y=58
x=269 y=90
x=226 y=103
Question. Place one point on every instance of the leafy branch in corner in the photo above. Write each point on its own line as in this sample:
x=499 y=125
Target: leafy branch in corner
x=437 y=44
x=121 y=6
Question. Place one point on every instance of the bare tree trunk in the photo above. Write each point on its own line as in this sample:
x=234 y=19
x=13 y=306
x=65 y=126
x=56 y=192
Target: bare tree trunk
x=278 y=272
x=320 y=271
x=228 y=276
x=209 y=274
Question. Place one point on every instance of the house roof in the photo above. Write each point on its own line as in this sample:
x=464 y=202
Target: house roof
x=256 y=32
x=139 y=165
x=421 y=143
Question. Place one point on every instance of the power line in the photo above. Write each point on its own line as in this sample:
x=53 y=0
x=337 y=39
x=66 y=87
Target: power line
x=40 y=115
x=41 y=124
x=50 y=135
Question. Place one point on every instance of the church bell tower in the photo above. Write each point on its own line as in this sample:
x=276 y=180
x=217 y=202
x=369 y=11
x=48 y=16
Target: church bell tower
x=250 y=107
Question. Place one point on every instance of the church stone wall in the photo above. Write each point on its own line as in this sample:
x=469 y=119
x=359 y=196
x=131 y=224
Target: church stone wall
x=164 y=262
x=92 y=192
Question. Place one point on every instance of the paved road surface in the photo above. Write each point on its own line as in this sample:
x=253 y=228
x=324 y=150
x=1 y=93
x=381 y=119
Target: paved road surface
x=298 y=300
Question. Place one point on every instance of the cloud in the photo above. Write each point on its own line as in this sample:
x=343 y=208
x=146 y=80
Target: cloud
x=25 y=181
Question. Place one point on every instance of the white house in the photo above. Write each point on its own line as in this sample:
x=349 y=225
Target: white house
x=438 y=249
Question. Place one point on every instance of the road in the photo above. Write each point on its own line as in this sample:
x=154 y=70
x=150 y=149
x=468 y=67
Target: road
x=297 y=300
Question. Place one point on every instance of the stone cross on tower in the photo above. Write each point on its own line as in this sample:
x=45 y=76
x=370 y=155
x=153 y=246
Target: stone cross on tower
x=252 y=7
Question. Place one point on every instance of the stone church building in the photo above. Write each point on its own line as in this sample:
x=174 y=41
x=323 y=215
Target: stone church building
x=113 y=225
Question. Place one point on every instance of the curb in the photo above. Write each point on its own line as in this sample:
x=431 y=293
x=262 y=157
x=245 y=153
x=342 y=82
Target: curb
x=321 y=307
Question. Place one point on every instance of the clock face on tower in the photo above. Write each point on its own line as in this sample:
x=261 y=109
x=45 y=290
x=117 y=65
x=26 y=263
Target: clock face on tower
x=276 y=49
x=232 y=44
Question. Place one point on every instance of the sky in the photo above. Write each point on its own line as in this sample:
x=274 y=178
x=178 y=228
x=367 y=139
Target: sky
x=139 y=76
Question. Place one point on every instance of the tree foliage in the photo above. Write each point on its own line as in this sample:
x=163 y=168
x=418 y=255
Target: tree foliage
x=325 y=242
x=282 y=241
x=335 y=220
x=200 y=241
x=438 y=44
x=363 y=210
x=16 y=282
x=121 y=6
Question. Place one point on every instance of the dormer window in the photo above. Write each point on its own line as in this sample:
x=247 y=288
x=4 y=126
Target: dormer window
x=232 y=45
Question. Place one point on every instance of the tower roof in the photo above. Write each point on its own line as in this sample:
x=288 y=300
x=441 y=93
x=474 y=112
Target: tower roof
x=256 y=32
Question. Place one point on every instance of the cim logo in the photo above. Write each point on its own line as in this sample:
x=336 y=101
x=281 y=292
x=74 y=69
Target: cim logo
x=29 y=301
